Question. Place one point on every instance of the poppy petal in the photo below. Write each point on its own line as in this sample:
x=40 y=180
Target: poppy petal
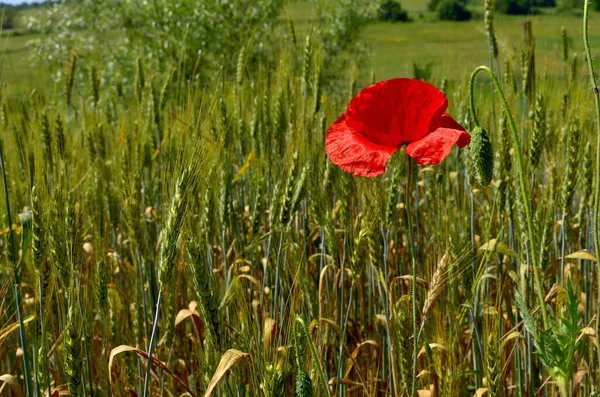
x=396 y=111
x=435 y=146
x=353 y=152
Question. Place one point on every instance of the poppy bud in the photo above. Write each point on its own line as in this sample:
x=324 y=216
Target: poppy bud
x=304 y=386
x=482 y=156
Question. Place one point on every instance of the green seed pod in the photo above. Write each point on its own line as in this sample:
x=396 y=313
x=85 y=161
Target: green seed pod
x=570 y=175
x=70 y=77
x=95 y=84
x=241 y=64
x=306 y=60
x=509 y=76
x=317 y=90
x=73 y=358
x=564 y=44
x=172 y=230
x=574 y=66
x=292 y=31
x=140 y=79
x=164 y=92
x=539 y=131
x=489 y=26
x=102 y=280
x=47 y=140
x=304 y=386
x=61 y=139
x=300 y=345
x=38 y=233
x=482 y=156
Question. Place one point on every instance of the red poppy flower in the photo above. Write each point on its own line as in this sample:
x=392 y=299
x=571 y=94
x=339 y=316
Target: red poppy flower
x=387 y=115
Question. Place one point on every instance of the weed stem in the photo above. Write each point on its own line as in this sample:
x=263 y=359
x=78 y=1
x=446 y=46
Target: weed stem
x=523 y=186
x=590 y=62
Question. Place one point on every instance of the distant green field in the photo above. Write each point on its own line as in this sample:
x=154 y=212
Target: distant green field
x=455 y=48
x=17 y=69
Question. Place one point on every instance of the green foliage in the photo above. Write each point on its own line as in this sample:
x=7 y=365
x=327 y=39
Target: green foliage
x=422 y=72
x=453 y=10
x=164 y=32
x=9 y=17
x=433 y=4
x=391 y=10
x=569 y=5
x=558 y=345
x=515 y=7
x=341 y=23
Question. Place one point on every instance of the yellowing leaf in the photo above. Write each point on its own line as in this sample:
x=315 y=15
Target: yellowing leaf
x=229 y=359
x=496 y=246
x=509 y=337
x=10 y=383
x=192 y=313
x=243 y=168
x=125 y=348
x=581 y=255
x=578 y=377
x=4 y=332
x=432 y=346
x=481 y=391
x=354 y=354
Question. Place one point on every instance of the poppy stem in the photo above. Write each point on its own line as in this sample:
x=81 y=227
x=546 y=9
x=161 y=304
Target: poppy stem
x=526 y=198
x=590 y=62
x=413 y=283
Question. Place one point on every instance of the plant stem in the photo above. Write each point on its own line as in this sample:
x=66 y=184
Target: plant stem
x=522 y=182
x=411 y=253
x=151 y=346
x=17 y=282
x=588 y=55
x=313 y=351
x=563 y=387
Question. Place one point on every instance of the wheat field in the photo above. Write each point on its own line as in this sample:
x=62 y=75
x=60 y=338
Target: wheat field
x=199 y=221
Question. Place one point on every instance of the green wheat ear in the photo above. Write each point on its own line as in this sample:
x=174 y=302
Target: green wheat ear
x=482 y=156
x=300 y=345
x=304 y=387
x=564 y=44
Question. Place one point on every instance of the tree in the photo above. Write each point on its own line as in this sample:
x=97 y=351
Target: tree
x=545 y=3
x=516 y=7
x=453 y=10
x=9 y=17
x=568 y=5
x=432 y=5
x=391 y=10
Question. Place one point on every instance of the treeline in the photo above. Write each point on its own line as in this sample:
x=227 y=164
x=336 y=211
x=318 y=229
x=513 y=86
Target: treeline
x=458 y=10
x=25 y=6
x=10 y=12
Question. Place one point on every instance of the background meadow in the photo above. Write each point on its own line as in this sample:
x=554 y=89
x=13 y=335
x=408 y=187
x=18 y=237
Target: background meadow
x=173 y=152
